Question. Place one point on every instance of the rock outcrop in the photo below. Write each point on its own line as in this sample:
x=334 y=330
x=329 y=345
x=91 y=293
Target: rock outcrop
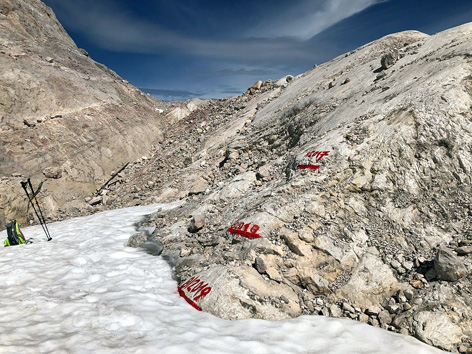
x=62 y=113
x=359 y=191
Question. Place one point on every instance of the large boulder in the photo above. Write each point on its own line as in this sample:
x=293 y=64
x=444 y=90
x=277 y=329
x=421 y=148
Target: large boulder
x=389 y=59
x=448 y=266
x=438 y=329
x=137 y=240
x=238 y=186
x=371 y=282
x=237 y=293
x=53 y=172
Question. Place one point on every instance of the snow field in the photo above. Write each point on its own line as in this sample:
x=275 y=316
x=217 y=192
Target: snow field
x=86 y=292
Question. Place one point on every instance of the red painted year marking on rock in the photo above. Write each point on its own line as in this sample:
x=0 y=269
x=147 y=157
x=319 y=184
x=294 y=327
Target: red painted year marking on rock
x=318 y=155
x=240 y=228
x=193 y=290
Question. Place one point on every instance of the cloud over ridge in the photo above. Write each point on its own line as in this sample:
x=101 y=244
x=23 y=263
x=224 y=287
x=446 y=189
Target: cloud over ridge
x=307 y=18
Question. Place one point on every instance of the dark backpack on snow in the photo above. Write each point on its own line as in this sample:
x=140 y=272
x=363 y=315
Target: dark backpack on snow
x=15 y=236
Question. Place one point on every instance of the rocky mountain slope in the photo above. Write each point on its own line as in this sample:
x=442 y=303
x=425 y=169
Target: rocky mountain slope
x=63 y=116
x=343 y=192
x=380 y=232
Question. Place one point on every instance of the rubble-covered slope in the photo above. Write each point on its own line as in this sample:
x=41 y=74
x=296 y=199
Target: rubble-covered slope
x=381 y=232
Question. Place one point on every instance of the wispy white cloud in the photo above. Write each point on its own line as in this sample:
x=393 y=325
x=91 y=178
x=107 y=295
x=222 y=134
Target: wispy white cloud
x=115 y=28
x=234 y=56
x=112 y=26
x=307 y=18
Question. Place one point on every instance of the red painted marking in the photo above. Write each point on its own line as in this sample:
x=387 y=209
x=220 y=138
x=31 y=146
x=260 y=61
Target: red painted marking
x=187 y=282
x=236 y=229
x=199 y=287
x=321 y=154
x=311 y=154
x=203 y=293
x=318 y=154
x=239 y=225
x=254 y=229
x=190 y=283
x=195 y=286
x=181 y=292
x=311 y=167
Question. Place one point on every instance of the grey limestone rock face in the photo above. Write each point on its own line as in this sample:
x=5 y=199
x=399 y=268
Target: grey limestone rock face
x=61 y=107
x=357 y=236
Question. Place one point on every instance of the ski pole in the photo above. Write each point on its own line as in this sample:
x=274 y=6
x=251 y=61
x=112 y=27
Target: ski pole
x=41 y=221
x=40 y=212
x=23 y=184
x=31 y=200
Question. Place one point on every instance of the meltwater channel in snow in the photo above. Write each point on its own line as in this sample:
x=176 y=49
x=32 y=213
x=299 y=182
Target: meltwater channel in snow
x=86 y=292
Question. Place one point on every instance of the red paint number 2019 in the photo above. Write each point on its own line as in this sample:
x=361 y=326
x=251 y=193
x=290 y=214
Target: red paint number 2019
x=196 y=289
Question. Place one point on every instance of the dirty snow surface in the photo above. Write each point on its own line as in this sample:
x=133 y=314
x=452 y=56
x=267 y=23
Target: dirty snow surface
x=86 y=292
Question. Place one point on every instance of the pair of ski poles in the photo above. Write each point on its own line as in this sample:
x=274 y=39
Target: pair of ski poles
x=34 y=203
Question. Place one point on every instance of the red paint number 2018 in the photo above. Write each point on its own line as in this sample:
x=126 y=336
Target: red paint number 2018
x=240 y=228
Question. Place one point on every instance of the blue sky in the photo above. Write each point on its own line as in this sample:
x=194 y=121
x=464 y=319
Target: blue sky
x=177 y=49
